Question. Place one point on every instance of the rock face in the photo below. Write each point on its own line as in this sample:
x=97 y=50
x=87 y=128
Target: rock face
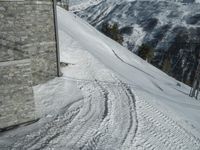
x=27 y=56
x=172 y=29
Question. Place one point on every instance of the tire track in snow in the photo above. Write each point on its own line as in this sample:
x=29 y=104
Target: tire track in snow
x=110 y=116
x=40 y=138
x=105 y=93
x=93 y=138
x=164 y=132
x=104 y=134
x=133 y=113
x=85 y=133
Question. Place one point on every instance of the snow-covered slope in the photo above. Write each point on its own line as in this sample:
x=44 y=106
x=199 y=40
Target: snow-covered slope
x=171 y=28
x=78 y=5
x=108 y=98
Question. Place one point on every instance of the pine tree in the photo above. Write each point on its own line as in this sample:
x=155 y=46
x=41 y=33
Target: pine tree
x=112 y=31
x=167 y=65
x=145 y=52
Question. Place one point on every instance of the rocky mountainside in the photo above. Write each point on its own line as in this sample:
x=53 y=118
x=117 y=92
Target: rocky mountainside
x=172 y=29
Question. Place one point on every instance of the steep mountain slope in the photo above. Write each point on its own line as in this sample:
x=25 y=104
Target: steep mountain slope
x=77 y=5
x=108 y=98
x=171 y=28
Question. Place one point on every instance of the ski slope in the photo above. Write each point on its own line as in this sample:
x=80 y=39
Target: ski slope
x=107 y=99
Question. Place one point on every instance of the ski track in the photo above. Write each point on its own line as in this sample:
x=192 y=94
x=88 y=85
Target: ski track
x=110 y=116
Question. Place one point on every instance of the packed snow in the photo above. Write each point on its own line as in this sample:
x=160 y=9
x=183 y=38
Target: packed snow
x=108 y=99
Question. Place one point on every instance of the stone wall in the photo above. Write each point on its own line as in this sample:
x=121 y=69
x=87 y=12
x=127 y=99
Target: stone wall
x=27 y=56
x=16 y=94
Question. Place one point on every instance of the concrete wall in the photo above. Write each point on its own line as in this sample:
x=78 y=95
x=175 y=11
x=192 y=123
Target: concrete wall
x=27 y=56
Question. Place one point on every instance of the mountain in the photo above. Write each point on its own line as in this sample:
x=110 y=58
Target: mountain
x=171 y=28
x=108 y=98
x=77 y=5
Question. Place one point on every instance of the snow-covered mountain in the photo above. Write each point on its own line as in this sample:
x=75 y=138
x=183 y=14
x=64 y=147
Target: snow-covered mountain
x=107 y=99
x=78 y=5
x=171 y=28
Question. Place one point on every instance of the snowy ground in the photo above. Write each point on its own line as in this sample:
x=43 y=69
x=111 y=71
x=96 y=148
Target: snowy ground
x=107 y=99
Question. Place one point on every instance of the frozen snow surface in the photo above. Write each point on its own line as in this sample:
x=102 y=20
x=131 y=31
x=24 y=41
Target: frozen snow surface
x=107 y=99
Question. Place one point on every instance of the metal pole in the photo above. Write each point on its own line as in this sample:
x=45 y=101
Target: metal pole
x=59 y=74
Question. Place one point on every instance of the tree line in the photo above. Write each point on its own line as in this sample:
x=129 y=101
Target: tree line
x=145 y=51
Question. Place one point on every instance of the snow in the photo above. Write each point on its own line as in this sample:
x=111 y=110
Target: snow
x=155 y=23
x=144 y=80
x=137 y=36
x=108 y=98
x=78 y=5
x=54 y=95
